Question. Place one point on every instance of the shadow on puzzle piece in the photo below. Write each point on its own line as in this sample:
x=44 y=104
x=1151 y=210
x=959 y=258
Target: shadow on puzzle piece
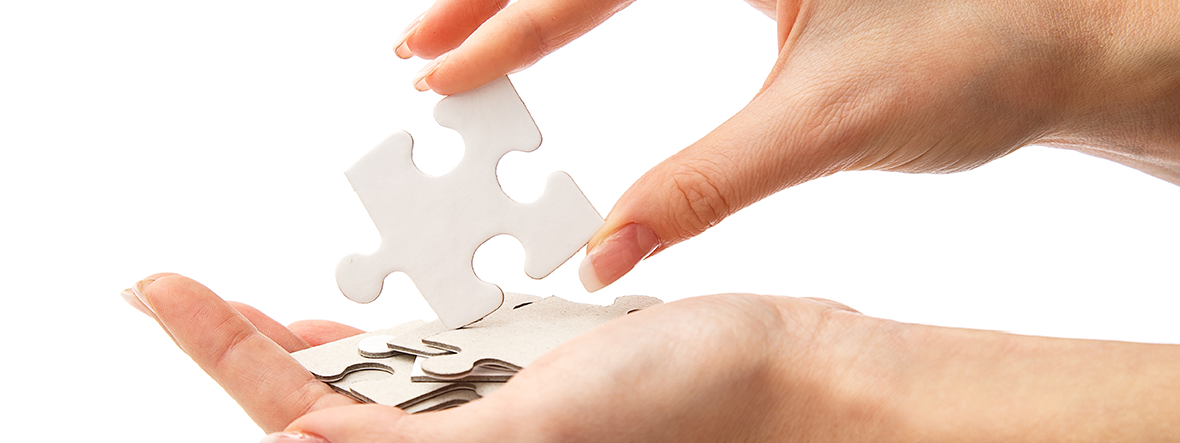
x=431 y=226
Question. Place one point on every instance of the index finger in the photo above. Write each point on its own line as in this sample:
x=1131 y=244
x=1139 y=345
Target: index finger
x=259 y=374
x=509 y=40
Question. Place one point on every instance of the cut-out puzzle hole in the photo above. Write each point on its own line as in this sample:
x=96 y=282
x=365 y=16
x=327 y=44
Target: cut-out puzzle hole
x=436 y=150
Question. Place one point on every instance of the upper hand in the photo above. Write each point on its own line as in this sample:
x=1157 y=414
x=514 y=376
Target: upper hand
x=909 y=85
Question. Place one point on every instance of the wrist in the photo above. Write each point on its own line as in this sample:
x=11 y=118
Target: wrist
x=839 y=373
x=1125 y=98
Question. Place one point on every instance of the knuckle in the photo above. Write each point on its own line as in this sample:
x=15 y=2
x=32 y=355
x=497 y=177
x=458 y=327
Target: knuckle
x=703 y=196
x=536 y=41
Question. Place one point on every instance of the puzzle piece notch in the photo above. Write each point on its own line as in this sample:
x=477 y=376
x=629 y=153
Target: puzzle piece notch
x=431 y=226
x=516 y=339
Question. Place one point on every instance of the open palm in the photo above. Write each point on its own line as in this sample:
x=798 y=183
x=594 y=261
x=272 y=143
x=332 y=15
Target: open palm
x=708 y=369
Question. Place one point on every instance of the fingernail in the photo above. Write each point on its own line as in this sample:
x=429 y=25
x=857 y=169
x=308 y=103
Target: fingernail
x=615 y=256
x=401 y=48
x=420 y=78
x=402 y=51
x=134 y=297
x=292 y=437
x=131 y=299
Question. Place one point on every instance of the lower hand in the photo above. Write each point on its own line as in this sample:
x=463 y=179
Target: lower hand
x=733 y=367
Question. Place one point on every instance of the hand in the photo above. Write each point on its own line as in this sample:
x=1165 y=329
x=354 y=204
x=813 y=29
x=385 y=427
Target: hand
x=246 y=352
x=733 y=367
x=912 y=85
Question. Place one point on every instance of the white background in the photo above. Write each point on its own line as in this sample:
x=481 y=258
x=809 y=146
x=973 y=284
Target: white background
x=209 y=138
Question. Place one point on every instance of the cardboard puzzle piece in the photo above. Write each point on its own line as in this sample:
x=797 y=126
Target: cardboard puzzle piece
x=410 y=342
x=446 y=400
x=431 y=226
x=399 y=392
x=484 y=373
x=332 y=361
x=395 y=393
x=515 y=340
x=375 y=346
x=485 y=354
x=361 y=376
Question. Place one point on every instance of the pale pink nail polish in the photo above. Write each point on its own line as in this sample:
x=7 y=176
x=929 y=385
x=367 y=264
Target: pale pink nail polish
x=140 y=301
x=420 y=79
x=292 y=437
x=403 y=51
x=615 y=256
x=135 y=297
x=129 y=297
x=421 y=85
x=401 y=48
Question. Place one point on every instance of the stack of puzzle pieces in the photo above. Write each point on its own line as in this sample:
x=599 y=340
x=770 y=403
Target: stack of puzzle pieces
x=424 y=366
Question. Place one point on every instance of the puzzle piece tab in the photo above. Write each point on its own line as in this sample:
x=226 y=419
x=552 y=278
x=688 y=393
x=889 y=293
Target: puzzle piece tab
x=431 y=226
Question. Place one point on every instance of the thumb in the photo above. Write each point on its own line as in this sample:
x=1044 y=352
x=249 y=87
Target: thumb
x=768 y=146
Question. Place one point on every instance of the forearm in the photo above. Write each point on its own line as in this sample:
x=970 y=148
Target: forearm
x=1126 y=106
x=885 y=381
x=966 y=385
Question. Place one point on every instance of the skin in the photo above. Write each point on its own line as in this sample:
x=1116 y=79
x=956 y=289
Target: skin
x=920 y=86
x=728 y=367
x=902 y=85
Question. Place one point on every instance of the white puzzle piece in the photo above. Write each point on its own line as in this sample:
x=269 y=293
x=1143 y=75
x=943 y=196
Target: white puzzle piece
x=516 y=339
x=431 y=226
